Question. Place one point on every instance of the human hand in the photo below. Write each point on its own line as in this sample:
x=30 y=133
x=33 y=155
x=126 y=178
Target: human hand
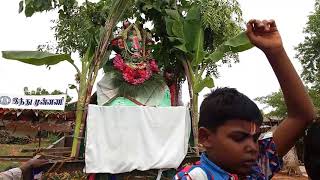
x=264 y=34
x=33 y=163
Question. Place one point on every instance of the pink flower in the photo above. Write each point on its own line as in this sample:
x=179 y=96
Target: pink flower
x=142 y=73
x=135 y=75
x=118 y=62
x=153 y=65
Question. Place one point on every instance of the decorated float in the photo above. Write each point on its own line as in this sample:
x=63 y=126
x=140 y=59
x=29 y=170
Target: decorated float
x=136 y=124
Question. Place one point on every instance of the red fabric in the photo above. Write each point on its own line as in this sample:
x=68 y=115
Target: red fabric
x=92 y=177
x=173 y=94
x=235 y=177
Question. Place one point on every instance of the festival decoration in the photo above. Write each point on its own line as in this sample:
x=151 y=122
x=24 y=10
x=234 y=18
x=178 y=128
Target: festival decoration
x=133 y=65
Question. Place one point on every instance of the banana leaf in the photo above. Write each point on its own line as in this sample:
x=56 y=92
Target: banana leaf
x=37 y=58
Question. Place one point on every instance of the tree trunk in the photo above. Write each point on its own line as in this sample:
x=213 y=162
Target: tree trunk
x=195 y=120
x=179 y=94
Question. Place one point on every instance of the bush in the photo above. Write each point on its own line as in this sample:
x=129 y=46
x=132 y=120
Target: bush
x=7 y=138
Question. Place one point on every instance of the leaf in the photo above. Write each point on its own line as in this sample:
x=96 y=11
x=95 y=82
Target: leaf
x=156 y=5
x=191 y=29
x=88 y=56
x=182 y=47
x=105 y=59
x=147 y=7
x=28 y=2
x=174 y=25
x=169 y=24
x=236 y=44
x=215 y=56
x=194 y=34
x=194 y=13
x=181 y=44
x=99 y=34
x=239 y=43
x=198 y=48
x=175 y=39
x=200 y=85
x=177 y=29
x=72 y=86
x=29 y=10
x=20 y=6
x=37 y=58
x=174 y=14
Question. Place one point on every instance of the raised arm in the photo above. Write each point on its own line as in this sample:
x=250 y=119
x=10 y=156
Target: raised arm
x=265 y=36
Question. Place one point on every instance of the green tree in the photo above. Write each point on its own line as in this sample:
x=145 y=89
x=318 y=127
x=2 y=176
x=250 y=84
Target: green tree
x=193 y=35
x=42 y=91
x=275 y=101
x=91 y=60
x=309 y=51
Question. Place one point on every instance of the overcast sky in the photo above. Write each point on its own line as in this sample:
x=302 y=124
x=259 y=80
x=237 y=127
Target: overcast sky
x=253 y=75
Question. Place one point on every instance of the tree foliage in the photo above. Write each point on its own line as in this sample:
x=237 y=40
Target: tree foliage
x=42 y=91
x=81 y=26
x=92 y=59
x=309 y=50
x=33 y=6
x=191 y=36
x=276 y=102
x=77 y=27
x=220 y=21
x=308 y=53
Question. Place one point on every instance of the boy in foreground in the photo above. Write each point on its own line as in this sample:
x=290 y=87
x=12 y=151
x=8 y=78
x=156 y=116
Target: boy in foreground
x=229 y=121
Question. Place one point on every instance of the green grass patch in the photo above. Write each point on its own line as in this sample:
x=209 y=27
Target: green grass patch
x=15 y=150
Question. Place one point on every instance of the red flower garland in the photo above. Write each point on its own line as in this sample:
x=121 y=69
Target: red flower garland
x=135 y=74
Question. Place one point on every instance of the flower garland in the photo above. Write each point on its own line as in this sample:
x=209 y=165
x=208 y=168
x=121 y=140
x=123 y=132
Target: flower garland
x=135 y=73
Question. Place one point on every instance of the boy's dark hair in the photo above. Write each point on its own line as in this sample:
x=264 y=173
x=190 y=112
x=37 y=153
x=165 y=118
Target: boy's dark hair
x=225 y=104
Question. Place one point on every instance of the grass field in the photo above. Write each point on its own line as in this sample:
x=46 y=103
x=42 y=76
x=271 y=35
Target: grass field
x=15 y=150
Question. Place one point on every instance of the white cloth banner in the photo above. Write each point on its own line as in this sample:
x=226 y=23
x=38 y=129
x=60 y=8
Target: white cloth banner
x=45 y=102
x=121 y=139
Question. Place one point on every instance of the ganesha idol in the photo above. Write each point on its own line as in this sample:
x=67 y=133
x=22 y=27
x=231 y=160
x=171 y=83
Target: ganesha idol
x=132 y=77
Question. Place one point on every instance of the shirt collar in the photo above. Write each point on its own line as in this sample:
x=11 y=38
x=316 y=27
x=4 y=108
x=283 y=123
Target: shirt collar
x=213 y=167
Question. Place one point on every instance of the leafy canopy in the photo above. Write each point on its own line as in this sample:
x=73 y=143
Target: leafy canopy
x=275 y=101
x=309 y=50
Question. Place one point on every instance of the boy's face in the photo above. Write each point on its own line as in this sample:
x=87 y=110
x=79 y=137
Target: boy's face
x=233 y=146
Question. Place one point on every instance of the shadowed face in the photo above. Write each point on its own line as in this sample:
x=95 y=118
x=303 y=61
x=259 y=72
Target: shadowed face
x=233 y=146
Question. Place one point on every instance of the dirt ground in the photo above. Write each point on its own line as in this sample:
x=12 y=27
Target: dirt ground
x=285 y=177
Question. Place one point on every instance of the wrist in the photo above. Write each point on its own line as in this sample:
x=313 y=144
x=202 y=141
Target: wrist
x=25 y=167
x=278 y=51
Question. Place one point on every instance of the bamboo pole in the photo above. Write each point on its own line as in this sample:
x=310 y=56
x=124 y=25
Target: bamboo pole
x=90 y=72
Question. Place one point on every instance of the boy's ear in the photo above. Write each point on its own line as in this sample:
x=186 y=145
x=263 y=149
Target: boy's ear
x=204 y=135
